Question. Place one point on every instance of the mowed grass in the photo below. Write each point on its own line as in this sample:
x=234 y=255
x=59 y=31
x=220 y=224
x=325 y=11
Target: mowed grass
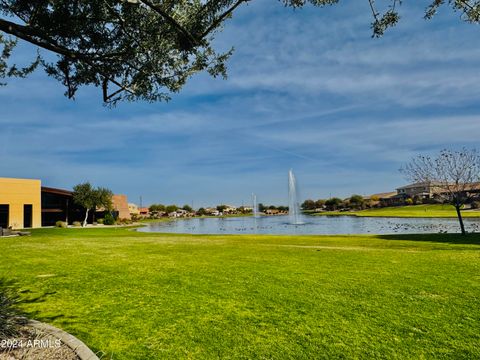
x=429 y=211
x=134 y=295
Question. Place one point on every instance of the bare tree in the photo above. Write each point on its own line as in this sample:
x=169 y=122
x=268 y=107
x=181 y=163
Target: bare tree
x=454 y=175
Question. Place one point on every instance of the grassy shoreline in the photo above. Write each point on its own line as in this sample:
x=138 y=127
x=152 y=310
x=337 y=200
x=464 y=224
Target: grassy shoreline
x=412 y=211
x=134 y=295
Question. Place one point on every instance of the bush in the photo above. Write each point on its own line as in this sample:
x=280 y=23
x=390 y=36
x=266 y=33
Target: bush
x=476 y=205
x=409 y=201
x=124 y=221
x=109 y=219
x=356 y=201
x=11 y=318
x=308 y=205
x=61 y=224
x=417 y=200
x=333 y=203
x=430 y=201
x=77 y=223
x=101 y=221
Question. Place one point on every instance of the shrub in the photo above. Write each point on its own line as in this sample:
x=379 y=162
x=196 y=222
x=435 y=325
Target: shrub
x=11 y=318
x=417 y=200
x=433 y=200
x=61 y=224
x=333 y=203
x=100 y=221
x=356 y=201
x=109 y=219
x=476 y=205
x=77 y=223
x=156 y=208
x=171 y=208
x=409 y=201
x=124 y=221
x=308 y=205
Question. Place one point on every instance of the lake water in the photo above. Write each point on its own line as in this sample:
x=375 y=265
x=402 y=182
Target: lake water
x=313 y=225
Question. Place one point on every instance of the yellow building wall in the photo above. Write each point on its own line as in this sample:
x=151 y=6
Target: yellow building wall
x=19 y=192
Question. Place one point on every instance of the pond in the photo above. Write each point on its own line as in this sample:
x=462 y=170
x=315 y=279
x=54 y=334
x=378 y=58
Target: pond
x=324 y=225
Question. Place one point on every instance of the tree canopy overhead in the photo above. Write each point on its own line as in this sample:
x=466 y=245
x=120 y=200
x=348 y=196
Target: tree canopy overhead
x=143 y=49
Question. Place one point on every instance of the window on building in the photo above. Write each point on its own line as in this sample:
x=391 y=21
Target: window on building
x=27 y=215
x=4 y=216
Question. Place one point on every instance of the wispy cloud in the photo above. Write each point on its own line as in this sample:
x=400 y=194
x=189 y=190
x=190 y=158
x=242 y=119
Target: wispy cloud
x=307 y=89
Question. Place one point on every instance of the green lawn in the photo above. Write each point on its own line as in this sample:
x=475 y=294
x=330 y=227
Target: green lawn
x=147 y=296
x=408 y=211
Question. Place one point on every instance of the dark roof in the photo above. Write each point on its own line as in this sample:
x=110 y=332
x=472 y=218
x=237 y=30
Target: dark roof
x=56 y=191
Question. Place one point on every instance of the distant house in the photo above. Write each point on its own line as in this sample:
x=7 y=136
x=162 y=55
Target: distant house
x=143 y=211
x=212 y=211
x=272 y=211
x=180 y=213
x=422 y=190
x=158 y=214
x=230 y=209
x=473 y=188
x=133 y=209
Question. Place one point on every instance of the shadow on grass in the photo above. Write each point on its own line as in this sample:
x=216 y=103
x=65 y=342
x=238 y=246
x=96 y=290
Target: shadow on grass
x=469 y=239
x=28 y=297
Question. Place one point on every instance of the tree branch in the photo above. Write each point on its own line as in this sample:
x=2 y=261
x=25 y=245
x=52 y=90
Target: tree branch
x=193 y=41
x=34 y=37
x=372 y=7
x=222 y=17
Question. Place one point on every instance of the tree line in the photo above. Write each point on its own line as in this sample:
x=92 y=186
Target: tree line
x=353 y=202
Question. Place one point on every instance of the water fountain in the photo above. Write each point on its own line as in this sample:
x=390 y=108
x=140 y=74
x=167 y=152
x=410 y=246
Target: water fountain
x=306 y=225
x=254 y=205
x=293 y=205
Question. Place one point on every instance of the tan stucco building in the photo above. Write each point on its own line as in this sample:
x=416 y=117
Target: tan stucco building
x=20 y=203
x=120 y=204
x=133 y=208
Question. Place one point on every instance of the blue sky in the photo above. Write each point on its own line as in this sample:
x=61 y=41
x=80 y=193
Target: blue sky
x=307 y=89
